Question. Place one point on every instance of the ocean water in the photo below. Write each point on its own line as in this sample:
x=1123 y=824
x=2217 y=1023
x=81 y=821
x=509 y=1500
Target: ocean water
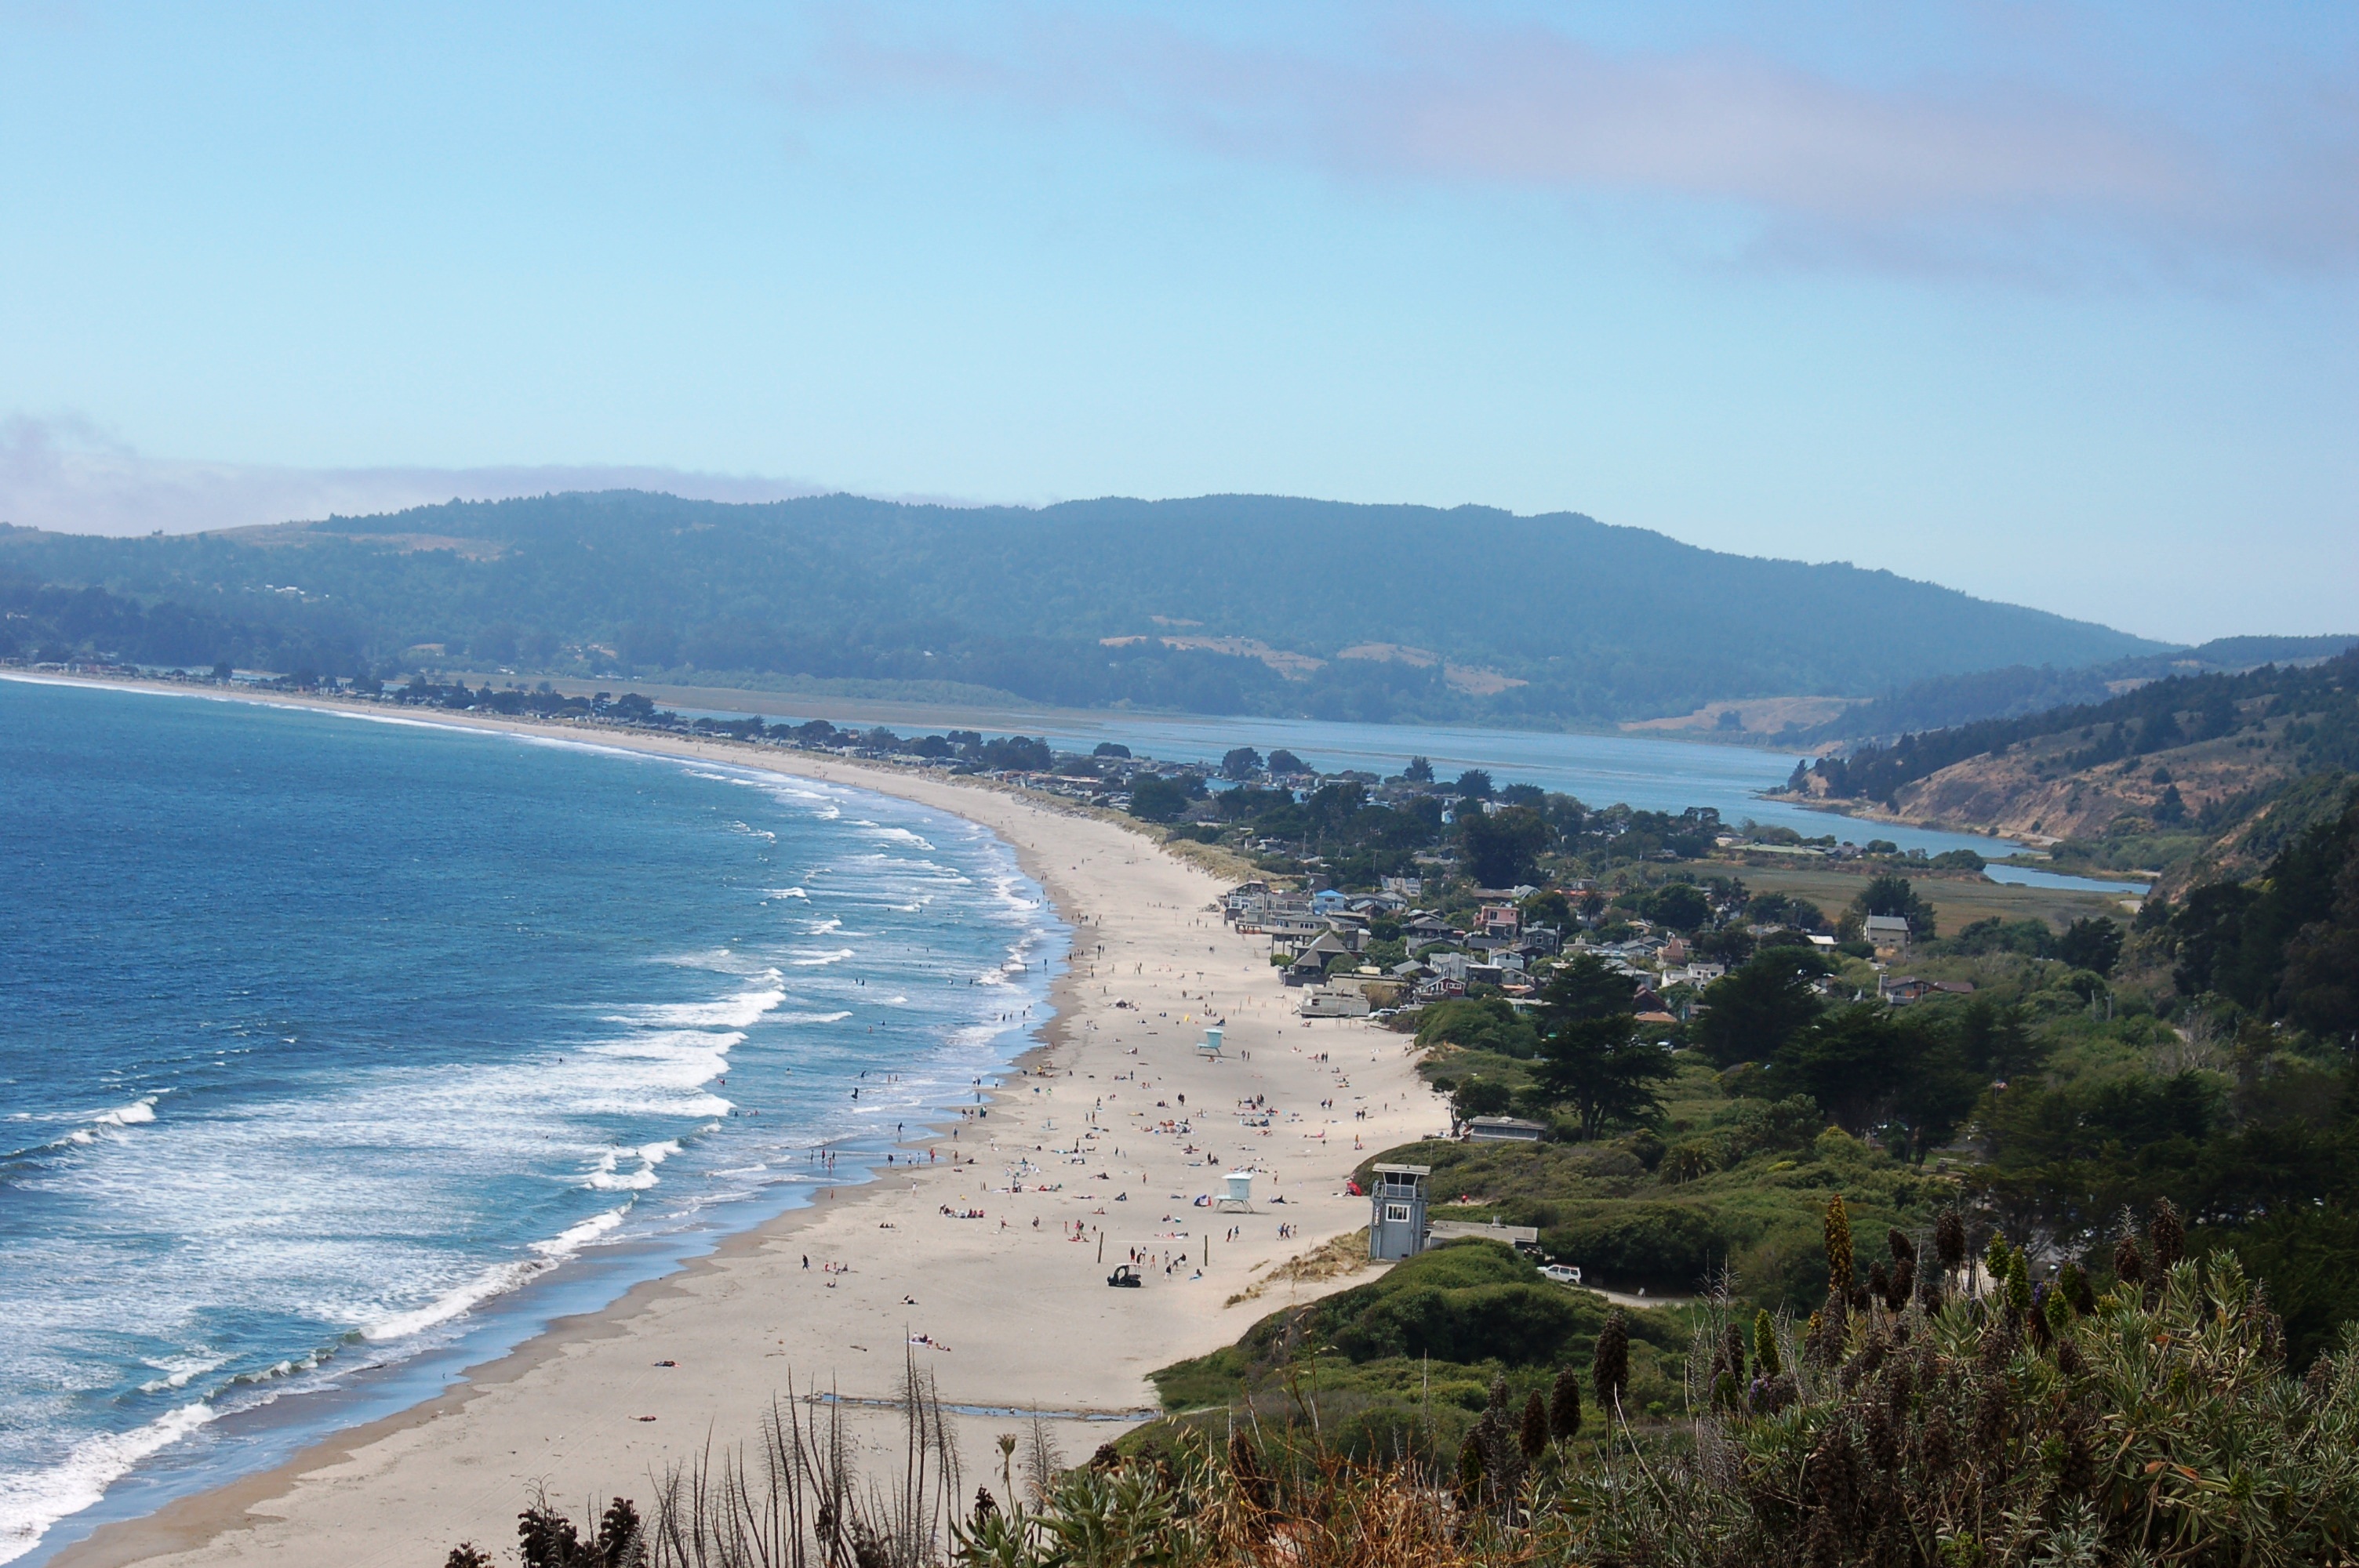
x=338 y=1052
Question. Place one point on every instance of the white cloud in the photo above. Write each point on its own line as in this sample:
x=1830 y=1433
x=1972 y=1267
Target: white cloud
x=2022 y=163
x=66 y=475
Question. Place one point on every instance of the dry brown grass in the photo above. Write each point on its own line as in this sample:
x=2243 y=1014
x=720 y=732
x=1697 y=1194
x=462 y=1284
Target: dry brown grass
x=1331 y=1259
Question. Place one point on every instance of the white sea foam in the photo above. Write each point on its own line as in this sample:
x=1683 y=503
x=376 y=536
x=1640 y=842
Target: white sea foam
x=31 y=1501
x=566 y=1243
x=495 y=1281
x=739 y=1011
x=608 y=1178
x=178 y=1369
x=271 y=1220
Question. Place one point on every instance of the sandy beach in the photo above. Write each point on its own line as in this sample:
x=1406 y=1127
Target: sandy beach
x=1089 y=1156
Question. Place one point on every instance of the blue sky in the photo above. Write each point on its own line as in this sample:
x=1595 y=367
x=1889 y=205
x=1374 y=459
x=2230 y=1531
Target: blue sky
x=2054 y=304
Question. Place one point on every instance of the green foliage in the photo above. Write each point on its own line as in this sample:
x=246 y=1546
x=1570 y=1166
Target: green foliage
x=1424 y=1346
x=1157 y=799
x=2091 y=942
x=2149 y=1426
x=2288 y=945
x=1591 y=1056
x=1891 y=894
x=1487 y=1023
x=1682 y=906
x=1502 y=847
x=1750 y=1217
x=1752 y=1013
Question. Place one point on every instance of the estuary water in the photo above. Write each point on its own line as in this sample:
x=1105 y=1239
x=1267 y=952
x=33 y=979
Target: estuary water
x=339 y=1053
x=1640 y=770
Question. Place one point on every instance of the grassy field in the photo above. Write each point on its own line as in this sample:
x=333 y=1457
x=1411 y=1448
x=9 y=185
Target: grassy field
x=1957 y=899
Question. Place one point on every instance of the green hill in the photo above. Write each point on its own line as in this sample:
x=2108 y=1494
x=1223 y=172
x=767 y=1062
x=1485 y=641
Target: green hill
x=1219 y=604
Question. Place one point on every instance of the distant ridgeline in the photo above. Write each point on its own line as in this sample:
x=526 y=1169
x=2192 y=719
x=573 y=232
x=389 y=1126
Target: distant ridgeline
x=1220 y=604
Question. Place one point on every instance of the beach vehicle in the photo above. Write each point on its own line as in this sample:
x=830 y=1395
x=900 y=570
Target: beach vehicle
x=1562 y=1273
x=1126 y=1275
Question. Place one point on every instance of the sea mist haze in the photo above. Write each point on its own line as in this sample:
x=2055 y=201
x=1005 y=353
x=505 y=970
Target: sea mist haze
x=324 y=1040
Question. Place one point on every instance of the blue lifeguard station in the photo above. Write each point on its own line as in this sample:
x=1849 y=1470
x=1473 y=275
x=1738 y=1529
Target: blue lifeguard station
x=1396 y=1212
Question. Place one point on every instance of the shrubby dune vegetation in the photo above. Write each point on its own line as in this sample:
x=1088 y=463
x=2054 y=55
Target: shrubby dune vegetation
x=1961 y=1415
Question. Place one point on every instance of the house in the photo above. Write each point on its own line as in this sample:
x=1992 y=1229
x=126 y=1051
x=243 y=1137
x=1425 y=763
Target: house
x=1501 y=919
x=1886 y=933
x=1504 y=1130
x=1424 y=930
x=1310 y=964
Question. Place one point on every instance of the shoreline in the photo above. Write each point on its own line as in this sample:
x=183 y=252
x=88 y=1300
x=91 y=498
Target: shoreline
x=361 y=1482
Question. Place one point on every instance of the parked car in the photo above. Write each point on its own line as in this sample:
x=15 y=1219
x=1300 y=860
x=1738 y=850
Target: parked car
x=1562 y=1273
x=1124 y=1275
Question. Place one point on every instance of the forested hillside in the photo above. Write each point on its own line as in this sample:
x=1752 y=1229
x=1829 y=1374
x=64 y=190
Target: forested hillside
x=1220 y=604
x=1941 y=702
x=2210 y=773
x=42 y=623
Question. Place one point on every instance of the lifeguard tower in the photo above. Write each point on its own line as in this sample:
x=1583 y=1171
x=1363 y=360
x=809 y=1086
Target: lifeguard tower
x=1209 y=1047
x=1236 y=1192
x=1396 y=1212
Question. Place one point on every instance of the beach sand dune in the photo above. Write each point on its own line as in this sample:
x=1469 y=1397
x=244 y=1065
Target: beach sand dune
x=1115 y=1128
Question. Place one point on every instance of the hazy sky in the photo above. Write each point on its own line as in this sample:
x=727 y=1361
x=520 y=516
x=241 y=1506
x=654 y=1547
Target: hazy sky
x=2054 y=304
